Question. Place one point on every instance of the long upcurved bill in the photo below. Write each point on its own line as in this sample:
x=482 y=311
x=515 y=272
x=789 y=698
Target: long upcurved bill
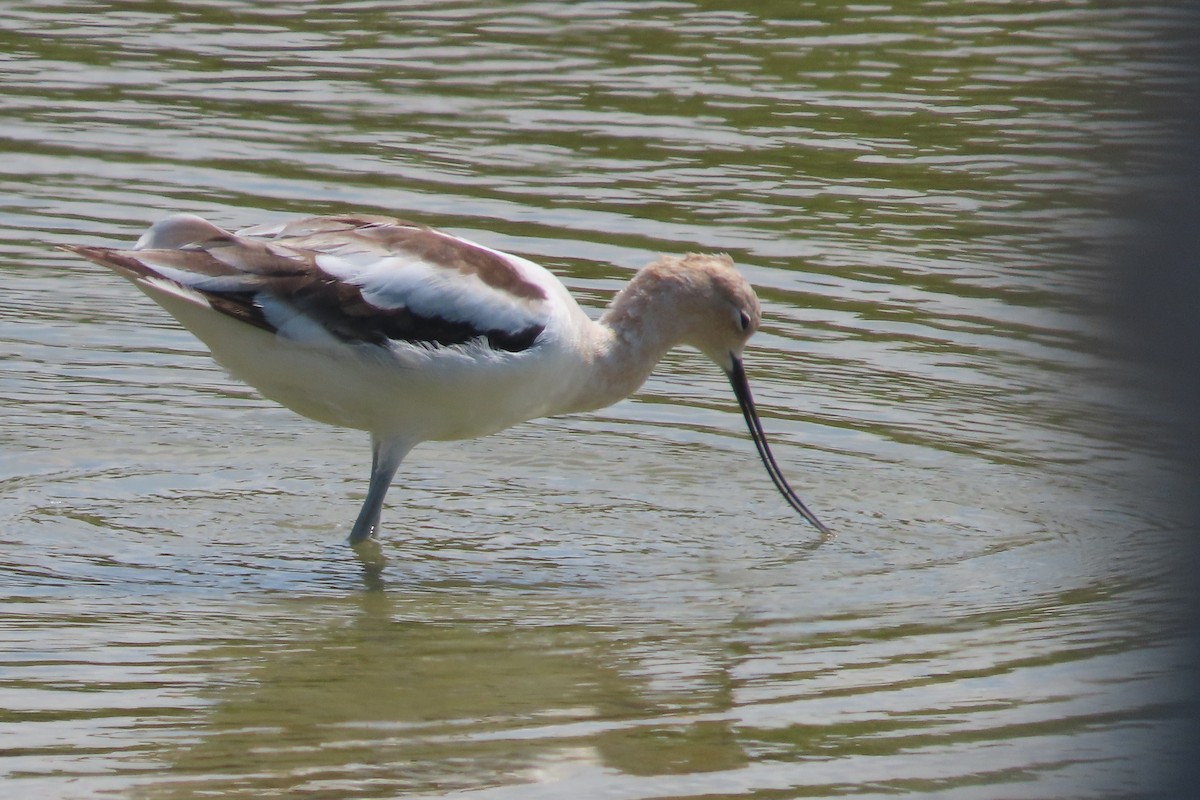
x=741 y=388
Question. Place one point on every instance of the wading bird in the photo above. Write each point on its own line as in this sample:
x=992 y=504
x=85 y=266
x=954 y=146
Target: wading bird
x=415 y=335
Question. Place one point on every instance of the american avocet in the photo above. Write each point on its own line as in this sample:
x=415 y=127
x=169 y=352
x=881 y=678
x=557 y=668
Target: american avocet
x=417 y=335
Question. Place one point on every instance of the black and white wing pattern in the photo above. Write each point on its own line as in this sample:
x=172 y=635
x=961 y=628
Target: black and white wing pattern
x=354 y=279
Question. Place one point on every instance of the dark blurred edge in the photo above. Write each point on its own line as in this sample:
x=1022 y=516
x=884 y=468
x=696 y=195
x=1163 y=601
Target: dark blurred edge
x=1156 y=308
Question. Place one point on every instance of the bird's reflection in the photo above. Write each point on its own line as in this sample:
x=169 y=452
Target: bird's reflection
x=433 y=689
x=373 y=561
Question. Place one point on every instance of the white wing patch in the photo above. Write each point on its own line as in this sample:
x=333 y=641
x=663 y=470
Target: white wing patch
x=408 y=282
x=170 y=287
x=199 y=281
x=292 y=323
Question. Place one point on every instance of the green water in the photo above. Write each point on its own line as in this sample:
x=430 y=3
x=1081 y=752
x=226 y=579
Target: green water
x=615 y=604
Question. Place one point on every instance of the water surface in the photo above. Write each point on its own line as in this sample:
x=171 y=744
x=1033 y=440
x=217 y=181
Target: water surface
x=614 y=604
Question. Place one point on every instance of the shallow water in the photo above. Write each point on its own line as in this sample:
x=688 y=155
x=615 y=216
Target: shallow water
x=614 y=604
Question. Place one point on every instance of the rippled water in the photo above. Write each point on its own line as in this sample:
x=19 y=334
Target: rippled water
x=614 y=604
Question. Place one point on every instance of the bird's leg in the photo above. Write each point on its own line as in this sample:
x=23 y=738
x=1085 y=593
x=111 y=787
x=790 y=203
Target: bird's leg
x=386 y=455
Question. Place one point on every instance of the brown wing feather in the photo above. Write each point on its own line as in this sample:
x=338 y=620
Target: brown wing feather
x=235 y=273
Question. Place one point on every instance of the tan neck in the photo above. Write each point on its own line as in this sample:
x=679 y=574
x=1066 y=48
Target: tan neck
x=627 y=342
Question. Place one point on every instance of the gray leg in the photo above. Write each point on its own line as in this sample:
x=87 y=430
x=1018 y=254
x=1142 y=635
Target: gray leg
x=386 y=455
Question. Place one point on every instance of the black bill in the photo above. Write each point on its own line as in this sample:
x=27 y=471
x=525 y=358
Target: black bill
x=741 y=388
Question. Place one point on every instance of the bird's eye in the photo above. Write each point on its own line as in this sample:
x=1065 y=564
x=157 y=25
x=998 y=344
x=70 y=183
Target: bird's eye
x=743 y=320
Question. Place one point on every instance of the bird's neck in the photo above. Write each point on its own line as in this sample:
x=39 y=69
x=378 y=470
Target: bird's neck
x=625 y=344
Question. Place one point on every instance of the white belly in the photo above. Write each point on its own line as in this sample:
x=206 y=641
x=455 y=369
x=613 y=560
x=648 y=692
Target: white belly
x=416 y=393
